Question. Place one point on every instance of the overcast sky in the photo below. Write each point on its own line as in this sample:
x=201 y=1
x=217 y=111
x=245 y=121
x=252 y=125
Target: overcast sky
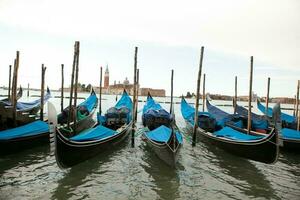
x=169 y=35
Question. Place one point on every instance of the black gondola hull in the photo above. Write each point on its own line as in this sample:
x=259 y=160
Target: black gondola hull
x=23 y=143
x=164 y=151
x=265 y=150
x=291 y=146
x=69 y=153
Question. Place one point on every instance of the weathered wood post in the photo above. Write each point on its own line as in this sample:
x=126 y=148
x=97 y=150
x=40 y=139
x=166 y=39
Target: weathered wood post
x=172 y=111
x=137 y=92
x=250 y=95
x=76 y=85
x=71 y=89
x=171 y=105
x=235 y=94
x=62 y=89
x=203 y=95
x=134 y=97
x=297 y=107
x=100 y=92
x=294 y=110
x=267 y=97
x=42 y=92
x=28 y=90
x=14 y=88
x=9 y=83
x=197 y=98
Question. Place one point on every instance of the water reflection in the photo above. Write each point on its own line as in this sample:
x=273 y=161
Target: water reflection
x=24 y=158
x=79 y=174
x=165 y=178
x=253 y=182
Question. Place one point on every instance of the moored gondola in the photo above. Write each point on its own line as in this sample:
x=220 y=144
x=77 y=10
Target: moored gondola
x=112 y=129
x=162 y=134
x=290 y=136
x=25 y=112
x=214 y=130
x=37 y=132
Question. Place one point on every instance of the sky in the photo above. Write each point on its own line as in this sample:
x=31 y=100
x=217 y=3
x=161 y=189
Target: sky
x=169 y=35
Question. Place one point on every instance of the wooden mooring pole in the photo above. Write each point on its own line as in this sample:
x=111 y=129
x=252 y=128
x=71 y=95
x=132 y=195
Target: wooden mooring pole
x=62 y=89
x=235 y=94
x=171 y=105
x=172 y=111
x=294 y=110
x=203 y=95
x=71 y=89
x=27 y=89
x=250 y=95
x=297 y=107
x=42 y=92
x=137 y=92
x=9 y=83
x=100 y=91
x=134 y=97
x=197 y=98
x=267 y=97
x=76 y=85
x=14 y=88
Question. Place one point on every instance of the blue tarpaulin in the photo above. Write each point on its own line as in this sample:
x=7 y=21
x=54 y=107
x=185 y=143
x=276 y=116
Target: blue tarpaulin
x=151 y=104
x=162 y=134
x=90 y=102
x=33 y=128
x=124 y=104
x=24 y=106
x=152 y=109
x=125 y=101
x=221 y=116
x=97 y=133
x=290 y=133
x=284 y=117
x=230 y=133
x=257 y=121
x=188 y=112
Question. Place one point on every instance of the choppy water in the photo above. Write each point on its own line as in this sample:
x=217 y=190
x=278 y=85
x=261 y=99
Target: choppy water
x=203 y=172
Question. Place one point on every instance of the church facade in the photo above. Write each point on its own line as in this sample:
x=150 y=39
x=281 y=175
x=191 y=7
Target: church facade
x=117 y=88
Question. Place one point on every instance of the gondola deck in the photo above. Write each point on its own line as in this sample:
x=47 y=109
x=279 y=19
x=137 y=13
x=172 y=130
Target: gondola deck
x=263 y=149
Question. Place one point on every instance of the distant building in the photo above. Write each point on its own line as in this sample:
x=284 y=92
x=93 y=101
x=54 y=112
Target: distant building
x=106 y=78
x=153 y=92
x=117 y=88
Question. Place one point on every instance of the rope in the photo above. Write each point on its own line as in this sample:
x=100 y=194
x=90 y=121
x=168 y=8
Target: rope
x=70 y=130
x=141 y=131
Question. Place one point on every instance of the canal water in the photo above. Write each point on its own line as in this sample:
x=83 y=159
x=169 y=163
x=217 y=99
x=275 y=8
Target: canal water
x=203 y=172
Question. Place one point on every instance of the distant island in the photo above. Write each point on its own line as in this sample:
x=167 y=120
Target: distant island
x=284 y=100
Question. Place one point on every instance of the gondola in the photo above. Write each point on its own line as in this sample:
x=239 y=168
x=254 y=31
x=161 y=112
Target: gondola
x=161 y=132
x=213 y=128
x=33 y=107
x=111 y=129
x=35 y=133
x=290 y=135
x=6 y=101
x=25 y=112
x=84 y=117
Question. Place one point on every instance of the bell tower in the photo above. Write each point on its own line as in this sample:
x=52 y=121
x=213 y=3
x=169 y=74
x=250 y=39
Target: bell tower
x=106 y=77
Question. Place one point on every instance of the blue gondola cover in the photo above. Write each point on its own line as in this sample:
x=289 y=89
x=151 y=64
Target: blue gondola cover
x=33 y=128
x=23 y=106
x=235 y=135
x=257 y=121
x=290 y=133
x=284 y=117
x=98 y=133
x=163 y=134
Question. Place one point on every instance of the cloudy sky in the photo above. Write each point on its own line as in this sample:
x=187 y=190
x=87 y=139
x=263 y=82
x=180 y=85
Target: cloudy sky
x=169 y=35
